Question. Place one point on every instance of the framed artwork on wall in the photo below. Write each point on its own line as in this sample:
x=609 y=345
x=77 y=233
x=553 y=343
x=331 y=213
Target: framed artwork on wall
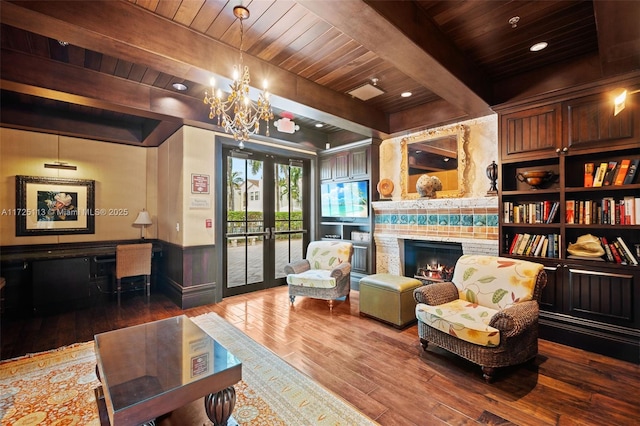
x=54 y=206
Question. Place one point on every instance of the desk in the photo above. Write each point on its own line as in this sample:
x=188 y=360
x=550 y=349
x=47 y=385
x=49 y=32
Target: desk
x=151 y=369
x=59 y=276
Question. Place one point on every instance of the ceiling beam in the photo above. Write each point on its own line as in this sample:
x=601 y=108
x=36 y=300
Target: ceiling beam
x=34 y=76
x=182 y=52
x=618 y=35
x=371 y=24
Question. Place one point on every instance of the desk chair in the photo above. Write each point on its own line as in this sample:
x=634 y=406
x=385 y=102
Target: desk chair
x=133 y=260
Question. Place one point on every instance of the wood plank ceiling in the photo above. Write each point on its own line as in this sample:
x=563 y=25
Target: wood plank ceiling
x=113 y=81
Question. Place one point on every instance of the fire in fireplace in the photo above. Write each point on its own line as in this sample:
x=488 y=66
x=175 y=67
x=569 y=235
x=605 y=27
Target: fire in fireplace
x=430 y=261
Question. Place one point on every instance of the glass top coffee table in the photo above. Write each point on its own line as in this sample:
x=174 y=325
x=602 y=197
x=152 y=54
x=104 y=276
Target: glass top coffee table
x=152 y=369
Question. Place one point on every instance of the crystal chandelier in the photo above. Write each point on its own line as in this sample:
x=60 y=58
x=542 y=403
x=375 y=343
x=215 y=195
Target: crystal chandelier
x=238 y=114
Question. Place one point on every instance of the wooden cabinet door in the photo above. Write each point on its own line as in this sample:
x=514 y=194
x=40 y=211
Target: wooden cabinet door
x=327 y=166
x=552 y=295
x=531 y=133
x=607 y=295
x=341 y=166
x=359 y=164
x=590 y=123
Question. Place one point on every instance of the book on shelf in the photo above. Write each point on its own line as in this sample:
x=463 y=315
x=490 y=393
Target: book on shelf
x=627 y=252
x=607 y=249
x=629 y=210
x=622 y=172
x=632 y=172
x=514 y=243
x=522 y=244
x=637 y=210
x=599 y=176
x=553 y=212
x=545 y=247
x=589 y=169
x=569 y=215
x=533 y=244
x=540 y=245
x=615 y=253
x=608 y=177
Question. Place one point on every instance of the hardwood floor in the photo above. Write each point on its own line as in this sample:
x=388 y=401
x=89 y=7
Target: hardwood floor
x=377 y=368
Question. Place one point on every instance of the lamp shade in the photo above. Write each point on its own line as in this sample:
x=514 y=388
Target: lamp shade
x=143 y=218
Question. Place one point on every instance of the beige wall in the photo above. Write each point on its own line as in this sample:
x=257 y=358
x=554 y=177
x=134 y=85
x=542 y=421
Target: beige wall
x=188 y=151
x=125 y=179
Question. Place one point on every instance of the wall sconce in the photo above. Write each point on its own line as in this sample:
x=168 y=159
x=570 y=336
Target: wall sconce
x=60 y=165
x=619 y=99
x=143 y=220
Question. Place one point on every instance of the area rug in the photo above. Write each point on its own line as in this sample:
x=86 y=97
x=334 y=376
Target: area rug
x=57 y=387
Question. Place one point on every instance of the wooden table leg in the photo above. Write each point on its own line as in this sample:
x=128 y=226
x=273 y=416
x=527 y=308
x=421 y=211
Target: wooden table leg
x=219 y=405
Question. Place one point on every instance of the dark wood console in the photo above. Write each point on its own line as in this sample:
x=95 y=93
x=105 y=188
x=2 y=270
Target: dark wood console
x=41 y=278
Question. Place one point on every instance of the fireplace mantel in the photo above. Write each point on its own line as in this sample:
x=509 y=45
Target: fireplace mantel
x=473 y=222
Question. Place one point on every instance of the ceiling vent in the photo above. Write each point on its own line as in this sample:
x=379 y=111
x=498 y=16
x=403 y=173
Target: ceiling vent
x=366 y=92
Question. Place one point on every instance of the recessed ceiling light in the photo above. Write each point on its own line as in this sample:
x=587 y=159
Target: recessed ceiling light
x=406 y=94
x=179 y=86
x=538 y=46
x=318 y=125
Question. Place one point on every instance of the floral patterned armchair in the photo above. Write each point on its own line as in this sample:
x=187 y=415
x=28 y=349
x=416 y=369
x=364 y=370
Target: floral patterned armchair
x=488 y=314
x=324 y=274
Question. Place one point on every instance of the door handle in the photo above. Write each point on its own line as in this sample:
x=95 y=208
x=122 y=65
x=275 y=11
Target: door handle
x=267 y=233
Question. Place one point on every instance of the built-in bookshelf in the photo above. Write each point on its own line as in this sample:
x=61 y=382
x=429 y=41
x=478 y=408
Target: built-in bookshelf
x=590 y=245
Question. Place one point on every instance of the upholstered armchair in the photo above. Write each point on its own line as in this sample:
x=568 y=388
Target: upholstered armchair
x=325 y=272
x=488 y=314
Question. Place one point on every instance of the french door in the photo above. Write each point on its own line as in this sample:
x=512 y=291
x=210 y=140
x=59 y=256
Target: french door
x=265 y=218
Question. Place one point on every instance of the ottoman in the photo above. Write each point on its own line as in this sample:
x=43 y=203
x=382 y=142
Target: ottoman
x=389 y=298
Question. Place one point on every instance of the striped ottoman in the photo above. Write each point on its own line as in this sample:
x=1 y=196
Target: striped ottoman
x=389 y=298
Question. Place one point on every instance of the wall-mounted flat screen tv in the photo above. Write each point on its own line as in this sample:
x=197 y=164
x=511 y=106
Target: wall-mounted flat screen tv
x=345 y=199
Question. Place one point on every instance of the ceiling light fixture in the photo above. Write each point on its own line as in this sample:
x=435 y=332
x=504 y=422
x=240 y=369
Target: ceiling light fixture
x=514 y=21
x=319 y=125
x=539 y=46
x=406 y=94
x=179 y=86
x=246 y=115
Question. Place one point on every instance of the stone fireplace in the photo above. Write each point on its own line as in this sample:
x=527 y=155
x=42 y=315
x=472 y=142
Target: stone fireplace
x=470 y=222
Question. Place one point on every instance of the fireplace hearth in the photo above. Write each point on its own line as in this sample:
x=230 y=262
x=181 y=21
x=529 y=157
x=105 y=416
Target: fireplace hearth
x=430 y=261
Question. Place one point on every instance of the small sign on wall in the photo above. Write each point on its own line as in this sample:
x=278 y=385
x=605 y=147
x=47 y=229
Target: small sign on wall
x=199 y=203
x=199 y=184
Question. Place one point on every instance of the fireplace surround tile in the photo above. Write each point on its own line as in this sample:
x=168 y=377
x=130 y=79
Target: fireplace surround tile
x=473 y=222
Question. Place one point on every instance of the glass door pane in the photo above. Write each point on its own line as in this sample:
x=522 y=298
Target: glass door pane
x=245 y=222
x=288 y=200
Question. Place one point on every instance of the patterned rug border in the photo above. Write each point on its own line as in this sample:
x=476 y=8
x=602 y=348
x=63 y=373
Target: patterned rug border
x=272 y=392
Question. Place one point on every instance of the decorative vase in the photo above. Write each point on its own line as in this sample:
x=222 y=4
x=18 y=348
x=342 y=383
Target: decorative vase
x=427 y=186
x=492 y=174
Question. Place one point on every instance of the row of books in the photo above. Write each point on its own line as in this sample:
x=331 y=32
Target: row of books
x=608 y=211
x=613 y=173
x=536 y=245
x=537 y=212
x=618 y=251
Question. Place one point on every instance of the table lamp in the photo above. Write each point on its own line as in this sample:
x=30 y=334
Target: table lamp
x=143 y=220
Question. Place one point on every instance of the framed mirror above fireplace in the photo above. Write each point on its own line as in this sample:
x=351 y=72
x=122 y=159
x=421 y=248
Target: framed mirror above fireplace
x=439 y=152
